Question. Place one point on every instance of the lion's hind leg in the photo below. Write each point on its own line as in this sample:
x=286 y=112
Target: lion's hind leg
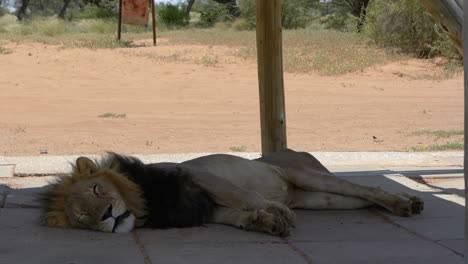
x=399 y=204
x=322 y=200
x=254 y=220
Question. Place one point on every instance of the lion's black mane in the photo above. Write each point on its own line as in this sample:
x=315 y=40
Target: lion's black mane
x=172 y=198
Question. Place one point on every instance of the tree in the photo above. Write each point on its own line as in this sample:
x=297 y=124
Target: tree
x=449 y=15
x=189 y=7
x=230 y=4
x=64 y=9
x=22 y=9
x=357 y=8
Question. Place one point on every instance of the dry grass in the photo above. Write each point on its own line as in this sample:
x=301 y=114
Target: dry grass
x=438 y=133
x=456 y=137
x=112 y=115
x=439 y=147
x=326 y=52
x=304 y=50
x=5 y=51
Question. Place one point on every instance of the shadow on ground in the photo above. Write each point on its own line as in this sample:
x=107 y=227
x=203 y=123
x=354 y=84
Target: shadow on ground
x=321 y=237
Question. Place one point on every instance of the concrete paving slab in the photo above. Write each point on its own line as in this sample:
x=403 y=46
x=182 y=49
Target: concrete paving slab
x=458 y=245
x=358 y=225
x=373 y=252
x=27 y=182
x=457 y=183
x=23 y=191
x=18 y=224
x=396 y=185
x=211 y=233
x=454 y=186
x=76 y=253
x=223 y=253
x=6 y=171
x=23 y=198
x=429 y=171
x=4 y=189
x=322 y=218
x=24 y=240
x=345 y=171
x=437 y=228
x=61 y=164
x=443 y=207
x=412 y=184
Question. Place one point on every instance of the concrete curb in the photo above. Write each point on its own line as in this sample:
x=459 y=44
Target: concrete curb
x=51 y=165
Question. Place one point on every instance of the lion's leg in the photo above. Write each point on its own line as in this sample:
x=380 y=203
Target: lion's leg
x=321 y=200
x=256 y=220
x=307 y=173
x=402 y=205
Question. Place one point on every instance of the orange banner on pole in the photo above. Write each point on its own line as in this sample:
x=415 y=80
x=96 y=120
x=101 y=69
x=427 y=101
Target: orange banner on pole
x=135 y=12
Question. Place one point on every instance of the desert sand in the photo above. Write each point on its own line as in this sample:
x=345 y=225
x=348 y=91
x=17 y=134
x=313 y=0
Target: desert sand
x=51 y=99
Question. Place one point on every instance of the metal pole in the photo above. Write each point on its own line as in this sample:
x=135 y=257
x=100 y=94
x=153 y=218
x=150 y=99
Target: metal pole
x=270 y=76
x=154 y=21
x=120 y=20
x=465 y=161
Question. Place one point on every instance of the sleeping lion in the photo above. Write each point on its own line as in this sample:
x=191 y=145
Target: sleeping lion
x=119 y=193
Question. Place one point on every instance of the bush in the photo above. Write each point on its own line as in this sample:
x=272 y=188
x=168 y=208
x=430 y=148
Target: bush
x=295 y=13
x=9 y=24
x=96 y=26
x=3 y=11
x=406 y=25
x=212 y=13
x=50 y=27
x=91 y=11
x=173 y=15
x=241 y=24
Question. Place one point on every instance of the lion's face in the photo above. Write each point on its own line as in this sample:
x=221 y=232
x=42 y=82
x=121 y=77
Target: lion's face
x=94 y=198
x=97 y=204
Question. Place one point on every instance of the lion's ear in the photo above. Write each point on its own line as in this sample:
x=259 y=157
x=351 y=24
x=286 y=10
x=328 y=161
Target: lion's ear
x=85 y=166
x=56 y=219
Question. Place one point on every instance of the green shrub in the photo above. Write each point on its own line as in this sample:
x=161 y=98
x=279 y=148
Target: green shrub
x=91 y=11
x=7 y=22
x=97 y=26
x=294 y=14
x=3 y=11
x=173 y=15
x=212 y=13
x=334 y=21
x=241 y=24
x=406 y=25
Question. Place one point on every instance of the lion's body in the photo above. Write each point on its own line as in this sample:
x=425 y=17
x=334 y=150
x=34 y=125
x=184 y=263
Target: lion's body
x=251 y=194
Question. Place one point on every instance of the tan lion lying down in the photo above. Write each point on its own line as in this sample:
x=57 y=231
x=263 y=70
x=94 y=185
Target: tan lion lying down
x=119 y=193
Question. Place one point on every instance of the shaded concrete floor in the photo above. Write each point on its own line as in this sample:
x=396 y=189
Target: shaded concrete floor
x=320 y=237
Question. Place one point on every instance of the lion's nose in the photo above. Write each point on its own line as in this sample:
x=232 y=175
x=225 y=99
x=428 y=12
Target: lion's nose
x=108 y=213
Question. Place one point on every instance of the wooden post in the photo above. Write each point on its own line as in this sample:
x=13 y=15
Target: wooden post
x=449 y=15
x=120 y=20
x=154 y=21
x=270 y=76
x=465 y=161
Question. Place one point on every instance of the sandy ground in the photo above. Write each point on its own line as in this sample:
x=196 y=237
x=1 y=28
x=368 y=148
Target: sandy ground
x=51 y=99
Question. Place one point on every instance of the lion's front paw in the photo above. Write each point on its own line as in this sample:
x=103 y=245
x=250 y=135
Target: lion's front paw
x=264 y=221
x=284 y=217
x=282 y=211
x=408 y=205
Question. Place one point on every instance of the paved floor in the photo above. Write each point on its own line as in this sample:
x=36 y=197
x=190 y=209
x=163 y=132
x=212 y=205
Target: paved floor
x=320 y=237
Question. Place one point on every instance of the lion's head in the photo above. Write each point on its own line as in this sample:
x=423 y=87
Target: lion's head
x=94 y=197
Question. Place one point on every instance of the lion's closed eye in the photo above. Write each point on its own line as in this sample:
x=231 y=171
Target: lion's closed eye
x=98 y=191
